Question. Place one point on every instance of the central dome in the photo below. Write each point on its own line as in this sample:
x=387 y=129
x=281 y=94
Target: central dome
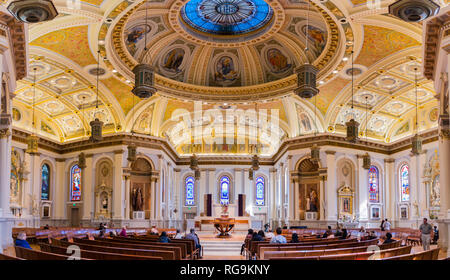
x=226 y=17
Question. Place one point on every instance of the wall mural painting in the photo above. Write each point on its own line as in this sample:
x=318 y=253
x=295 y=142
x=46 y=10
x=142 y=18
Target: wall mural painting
x=173 y=60
x=277 y=61
x=304 y=121
x=317 y=36
x=16 y=115
x=434 y=114
x=225 y=70
x=133 y=36
x=15 y=178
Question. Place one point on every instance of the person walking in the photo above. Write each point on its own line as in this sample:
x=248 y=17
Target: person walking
x=425 y=230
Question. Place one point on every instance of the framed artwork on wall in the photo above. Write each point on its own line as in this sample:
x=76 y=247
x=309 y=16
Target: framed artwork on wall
x=404 y=212
x=375 y=212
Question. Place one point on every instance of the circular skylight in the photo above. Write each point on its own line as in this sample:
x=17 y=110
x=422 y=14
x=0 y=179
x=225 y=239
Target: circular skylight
x=226 y=17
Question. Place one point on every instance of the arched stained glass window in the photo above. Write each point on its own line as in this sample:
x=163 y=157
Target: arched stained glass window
x=374 y=185
x=225 y=190
x=45 y=183
x=404 y=183
x=260 y=191
x=75 y=183
x=190 y=192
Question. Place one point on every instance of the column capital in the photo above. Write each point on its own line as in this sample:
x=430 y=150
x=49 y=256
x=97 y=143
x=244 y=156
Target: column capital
x=60 y=159
x=117 y=152
x=89 y=155
x=4 y=133
x=389 y=160
x=328 y=152
x=272 y=170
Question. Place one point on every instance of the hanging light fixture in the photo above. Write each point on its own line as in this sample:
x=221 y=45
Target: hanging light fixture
x=132 y=149
x=307 y=73
x=315 y=150
x=416 y=140
x=96 y=124
x=352 y=125
x=250 y=174
x=33 y=11
x=255 y=162
x=366 y=157
x=197 y=174
x=144 y=74
x=32 y=139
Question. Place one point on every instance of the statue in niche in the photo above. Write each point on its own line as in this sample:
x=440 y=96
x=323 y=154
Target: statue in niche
x=138 y=200
x=105 y=202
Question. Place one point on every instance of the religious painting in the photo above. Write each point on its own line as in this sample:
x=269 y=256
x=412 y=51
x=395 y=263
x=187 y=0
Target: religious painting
x=173 y=60
x=133 y=36
x=345 y=198
x=277 y=61
x=225 y=70
x=304 y=121
x=434 y=114
x=403 y=129
x=15 y=178
x=46 y=128
x=375 y=212
x=16 y=115
x=317 y=36
x=404 y=212
x=435 y=192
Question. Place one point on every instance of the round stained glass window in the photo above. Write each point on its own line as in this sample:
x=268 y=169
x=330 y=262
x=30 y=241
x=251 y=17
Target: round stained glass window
x=227 y=17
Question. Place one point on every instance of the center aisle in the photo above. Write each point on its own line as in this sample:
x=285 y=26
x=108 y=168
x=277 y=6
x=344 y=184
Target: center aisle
x=221 y=248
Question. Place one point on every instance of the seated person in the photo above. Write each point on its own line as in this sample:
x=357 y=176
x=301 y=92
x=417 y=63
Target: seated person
x=338 y=232
x=344 y=234
x=123 y=232
x=154 y=231
x=178 y=235
x=388 y=238
x=193 y=236
x=294 y=238
x=101 y=226
x=257 y=237
x=278 y=238
x=362 y=230
x=248 y=236
x=47 y=227
x=164 y=238
x=372 y=235
x=261 y=233
x=328 y=232
x=269 y=235
x=21 y=241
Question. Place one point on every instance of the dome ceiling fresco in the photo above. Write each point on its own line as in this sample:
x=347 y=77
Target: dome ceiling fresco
x=231 y=55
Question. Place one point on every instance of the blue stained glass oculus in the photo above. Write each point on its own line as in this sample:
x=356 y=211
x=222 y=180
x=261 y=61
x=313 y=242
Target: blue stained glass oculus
x=227 y=17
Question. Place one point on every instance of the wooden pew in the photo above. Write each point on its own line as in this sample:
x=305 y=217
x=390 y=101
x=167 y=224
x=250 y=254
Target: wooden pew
x=294 y=251
x=164 y=254
x=107 y=243
x=35 y=255
x=95 y=255
x=192 y=252
x=349 y=256
x=4 y=257
x=117 y=239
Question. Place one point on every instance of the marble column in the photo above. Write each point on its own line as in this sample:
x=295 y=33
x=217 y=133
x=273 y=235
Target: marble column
x=127 y=180
x=178 y=193
x=330 y=189
x=322 y=196
x=294 y=202
x=88 y=189
x=280 y=179
x=6 y=218
x=363 y=193
x=421 y=188
x=272 y=203
x=59 y=201
x=444 y=182
x=389 y=189
x=27 y=211
x=118 y=186
x=202 y=191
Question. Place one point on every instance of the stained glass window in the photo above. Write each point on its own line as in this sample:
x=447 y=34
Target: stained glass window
x=404 y=182
x=75 y=183
x=45 y=184
x=189 y=185
x=260 y=191
x=224 y=190
x=226 y=17
x=374 y=185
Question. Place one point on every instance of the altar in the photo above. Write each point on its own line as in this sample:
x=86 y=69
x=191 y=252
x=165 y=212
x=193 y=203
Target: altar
x=208 y=223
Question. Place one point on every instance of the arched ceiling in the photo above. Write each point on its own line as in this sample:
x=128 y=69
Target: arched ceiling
x=191 y=68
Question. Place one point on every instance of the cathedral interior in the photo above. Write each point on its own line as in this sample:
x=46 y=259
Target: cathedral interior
x=292 y=113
